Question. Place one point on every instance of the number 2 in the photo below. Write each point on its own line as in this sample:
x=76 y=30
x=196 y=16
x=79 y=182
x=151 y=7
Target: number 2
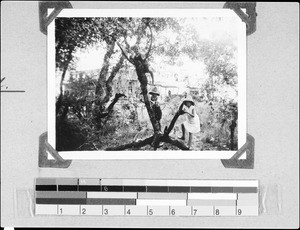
x=83 y=211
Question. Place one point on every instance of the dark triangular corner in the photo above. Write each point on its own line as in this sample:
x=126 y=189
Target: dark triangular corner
x=248 y=163
x=44 y=149
x=249 y=17
x=57 y=6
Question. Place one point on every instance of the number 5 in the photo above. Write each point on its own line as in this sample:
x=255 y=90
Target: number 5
x=150 y=212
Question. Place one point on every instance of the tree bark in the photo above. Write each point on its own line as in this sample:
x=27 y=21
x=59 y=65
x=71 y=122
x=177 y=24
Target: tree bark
x=176 y=143
x=109 y=82
x=232 y=129
x=141 y=70
x=137 y=144
x=171 y=126
x=65 y=68
x=111 y=105
x=101 y=83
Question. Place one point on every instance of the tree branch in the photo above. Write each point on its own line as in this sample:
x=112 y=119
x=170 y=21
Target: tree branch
x=123 y=52
x=112 y=75
x=117 y=96
x=109 y=53
x=147 y=54
x=111 y=105
x=171 y=126
x=176 y=143
x=103 y=72
x=137 y=144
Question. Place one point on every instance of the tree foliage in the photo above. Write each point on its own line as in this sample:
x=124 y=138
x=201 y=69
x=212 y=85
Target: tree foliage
x=136 y=43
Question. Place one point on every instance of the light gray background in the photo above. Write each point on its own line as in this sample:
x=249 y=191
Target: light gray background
x=272 y=119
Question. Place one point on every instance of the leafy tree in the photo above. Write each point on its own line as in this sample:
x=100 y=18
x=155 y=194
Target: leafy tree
x=70 y=35
x=140 y=60
x=135 y=43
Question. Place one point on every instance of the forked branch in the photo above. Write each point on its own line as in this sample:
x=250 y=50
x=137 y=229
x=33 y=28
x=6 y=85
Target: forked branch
x=135 y=144
x=176 y=143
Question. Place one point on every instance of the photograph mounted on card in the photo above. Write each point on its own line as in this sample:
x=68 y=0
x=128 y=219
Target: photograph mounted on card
x=147 y=84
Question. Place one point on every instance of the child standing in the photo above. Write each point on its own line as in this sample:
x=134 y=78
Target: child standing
x=192 y=123
x=155 y=105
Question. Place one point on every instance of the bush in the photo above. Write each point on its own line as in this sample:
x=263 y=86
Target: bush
x=68 y=135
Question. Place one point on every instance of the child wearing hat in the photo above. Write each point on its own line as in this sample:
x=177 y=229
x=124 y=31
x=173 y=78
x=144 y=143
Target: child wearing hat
x=154 y=104
x=192 y=122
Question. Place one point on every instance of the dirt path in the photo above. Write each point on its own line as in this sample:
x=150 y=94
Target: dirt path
x=197 y=143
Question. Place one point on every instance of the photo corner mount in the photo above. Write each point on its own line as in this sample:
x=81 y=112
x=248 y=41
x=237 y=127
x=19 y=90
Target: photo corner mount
x=249 y=17
x=248 y=163
x=46 y=19
x=44 y=149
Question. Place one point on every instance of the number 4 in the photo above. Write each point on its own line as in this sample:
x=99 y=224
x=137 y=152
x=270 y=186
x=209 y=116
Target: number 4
x=128 y=212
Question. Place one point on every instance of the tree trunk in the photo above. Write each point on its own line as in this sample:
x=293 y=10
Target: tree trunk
x=142 y=67
x=109 y=82
x=232 y=129
x=171 y=126
x=65 y=68
x=144 y=82
x=104 y=87
x=101 y=83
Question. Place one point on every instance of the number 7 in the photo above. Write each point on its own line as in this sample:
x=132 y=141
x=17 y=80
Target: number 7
x=195 y=211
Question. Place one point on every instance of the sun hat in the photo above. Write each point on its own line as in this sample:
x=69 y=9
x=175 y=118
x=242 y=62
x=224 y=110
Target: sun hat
x=190 y=99
x=154 y=91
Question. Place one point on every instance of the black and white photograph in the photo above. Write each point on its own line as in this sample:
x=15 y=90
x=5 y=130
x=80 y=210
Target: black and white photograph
x=173 y=81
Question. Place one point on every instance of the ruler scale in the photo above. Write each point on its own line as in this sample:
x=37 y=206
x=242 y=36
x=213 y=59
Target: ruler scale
x=138 y=197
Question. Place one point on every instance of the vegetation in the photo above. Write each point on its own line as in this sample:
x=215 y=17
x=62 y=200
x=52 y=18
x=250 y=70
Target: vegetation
x=90 y=115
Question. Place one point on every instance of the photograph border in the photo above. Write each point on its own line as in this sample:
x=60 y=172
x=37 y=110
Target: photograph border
x=159 y=154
